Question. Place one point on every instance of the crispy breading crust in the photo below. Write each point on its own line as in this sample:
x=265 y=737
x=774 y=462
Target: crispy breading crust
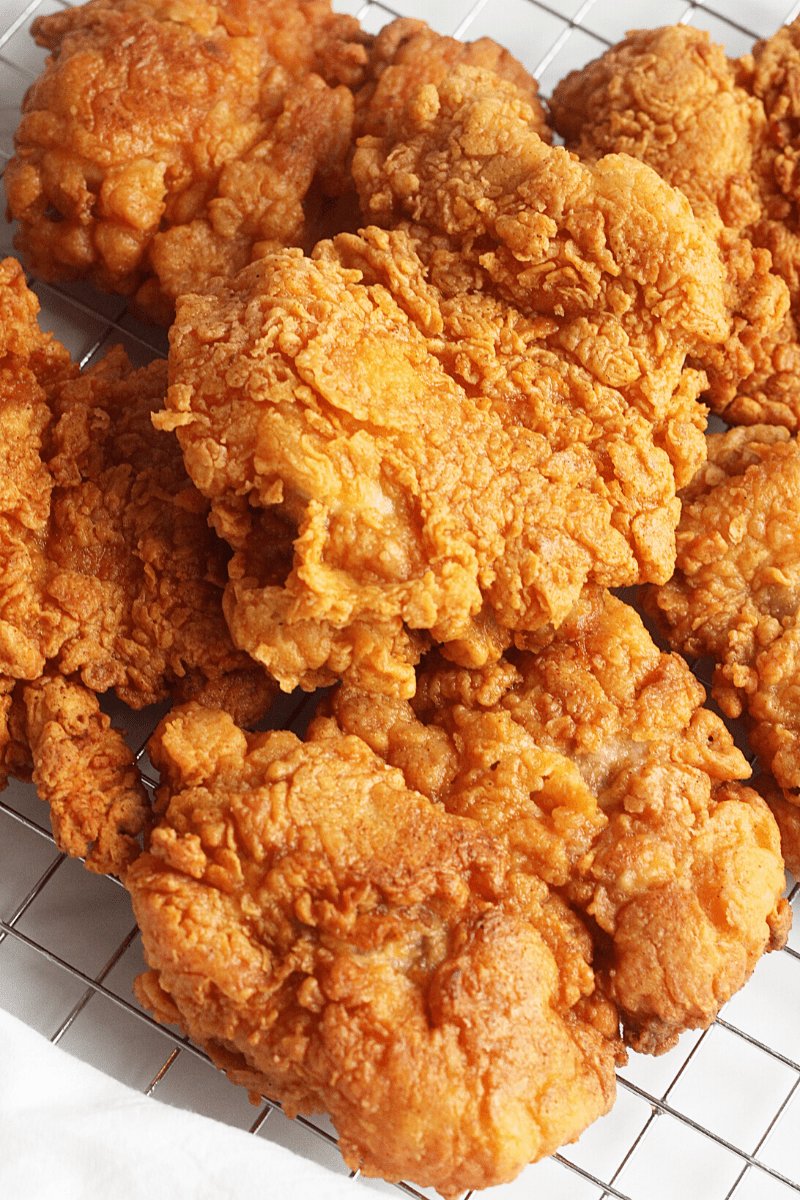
x=130 y=553
x=735 y=595
x=461 y=436
x=84 y=770
x=679 y=874
x=109 y=575
x=407 y=54
x=725 y=132
x=164 y=142
x=335 y=939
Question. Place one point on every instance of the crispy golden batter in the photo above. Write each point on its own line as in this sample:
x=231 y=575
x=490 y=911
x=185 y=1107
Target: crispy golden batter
x=596 y=765
x=461 y=437
x=407 y=54
x=32 y=626
x=726 y=133
x=130 y=555
x=165 y=141
x=15 y=753
x=334 y=939
x=787 y=816
x=735 y=595
x=86 y=773
x=109 y=569
x=109 y=573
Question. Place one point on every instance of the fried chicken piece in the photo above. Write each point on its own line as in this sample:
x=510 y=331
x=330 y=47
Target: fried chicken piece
x=335 y=940
x=87 y=774
x=109 y=574
x=15 y=755
x=165 y=142
x=735 y=595
x=680 y=873
x=32 y=626
x=27 y=356
x=407 y=54
x=461 y=437
x=109 y=567
x=53 y=733
x=129 y=553
x=23 y=345
x=787 y=817
x=721 y=130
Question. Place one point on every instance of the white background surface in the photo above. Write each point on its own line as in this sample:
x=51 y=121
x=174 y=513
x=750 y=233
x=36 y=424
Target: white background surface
x=717 y=1118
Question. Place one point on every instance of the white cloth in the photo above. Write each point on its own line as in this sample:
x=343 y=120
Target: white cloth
x=69 y=1132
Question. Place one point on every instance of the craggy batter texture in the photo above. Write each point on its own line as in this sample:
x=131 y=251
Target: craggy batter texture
x=464 y=418
x=734 y=595
x=724 y=131
x=331 y=937
x=167 y=143
x=435 y=383
x=110 y=574
x=163 y=142
x=595 y=760
x=425 y=918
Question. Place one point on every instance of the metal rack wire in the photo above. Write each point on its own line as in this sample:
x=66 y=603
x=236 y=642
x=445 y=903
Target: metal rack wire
x=715 y=1119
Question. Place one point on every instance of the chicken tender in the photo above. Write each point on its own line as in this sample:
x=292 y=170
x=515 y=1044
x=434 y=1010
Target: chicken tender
x=725 y=132
x=678 y=871
x=461 y=437
x=166 y=142
x=334 y=939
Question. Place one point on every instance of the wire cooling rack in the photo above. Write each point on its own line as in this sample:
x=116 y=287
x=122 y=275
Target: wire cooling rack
x=717 y=1118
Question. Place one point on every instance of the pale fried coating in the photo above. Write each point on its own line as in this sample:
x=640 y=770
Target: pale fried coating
x=679 y=874
x=461 y=436
x=407 y=54
x=336 y=940
x=86 y=773
x=725 y=132
x=165 y=141
x=735 y=595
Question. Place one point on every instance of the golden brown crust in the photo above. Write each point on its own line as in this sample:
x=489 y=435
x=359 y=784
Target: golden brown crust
x=163 y=143
x=735 y=595
x=720 y=131
x=109 y=575
x=408 y=54
x=131 y=554
x=461 y=436
x=380 y=960
x=84 y=770
x=596 y=764
x=787 y=815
